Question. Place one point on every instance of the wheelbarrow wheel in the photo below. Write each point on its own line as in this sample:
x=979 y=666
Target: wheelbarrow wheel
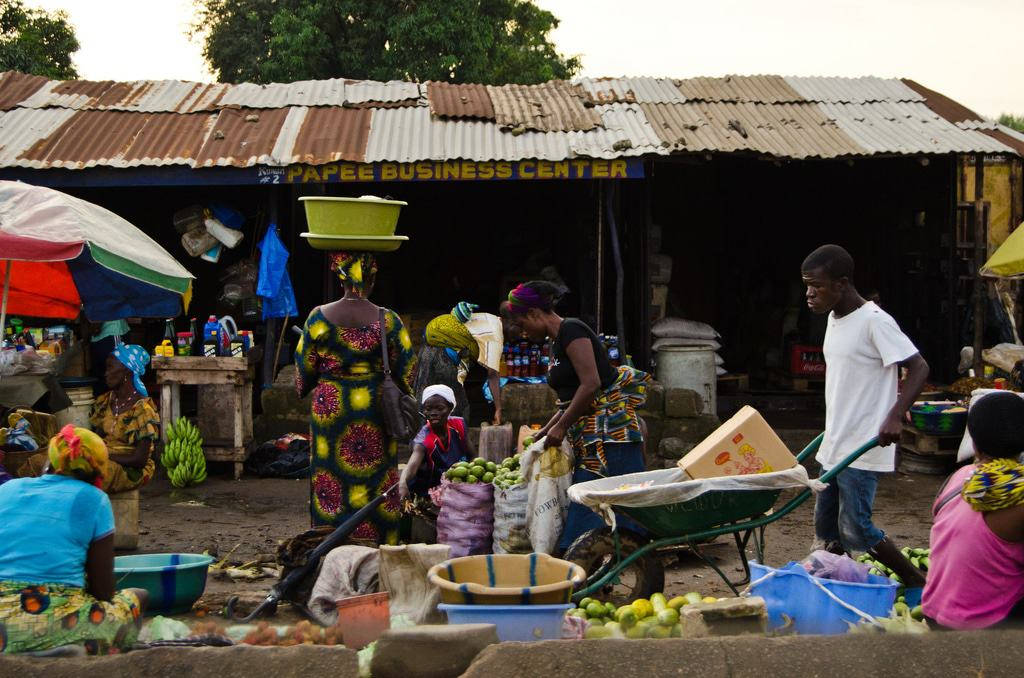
x=594 y=551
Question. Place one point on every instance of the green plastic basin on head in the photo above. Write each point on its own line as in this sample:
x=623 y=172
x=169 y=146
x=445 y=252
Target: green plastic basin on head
x=366 y=216
x=174 y=580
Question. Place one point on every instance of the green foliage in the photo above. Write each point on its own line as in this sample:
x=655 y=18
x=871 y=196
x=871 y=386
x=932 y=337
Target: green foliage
x=482 y=41
x=35 y=41
x=1014 y=121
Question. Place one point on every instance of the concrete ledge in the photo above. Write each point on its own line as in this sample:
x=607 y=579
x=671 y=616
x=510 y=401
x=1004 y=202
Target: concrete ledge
x=302 y=661
x=992 y=654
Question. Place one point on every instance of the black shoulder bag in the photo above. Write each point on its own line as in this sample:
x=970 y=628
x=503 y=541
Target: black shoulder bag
x=401 y=414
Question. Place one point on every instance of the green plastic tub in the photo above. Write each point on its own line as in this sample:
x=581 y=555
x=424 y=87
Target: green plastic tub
x=353 y=217
x=174 y=580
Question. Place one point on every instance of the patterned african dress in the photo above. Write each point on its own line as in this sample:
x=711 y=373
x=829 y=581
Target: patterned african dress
x=353 y=459
x=35 y=617
x=121 y=433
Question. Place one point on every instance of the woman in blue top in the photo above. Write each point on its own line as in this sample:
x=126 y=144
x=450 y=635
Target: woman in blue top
x=57 y=560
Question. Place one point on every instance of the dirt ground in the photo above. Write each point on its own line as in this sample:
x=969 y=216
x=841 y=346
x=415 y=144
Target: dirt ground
x=244 y=520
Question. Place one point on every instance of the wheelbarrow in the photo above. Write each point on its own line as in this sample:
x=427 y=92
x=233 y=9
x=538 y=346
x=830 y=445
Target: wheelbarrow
x=615 y=557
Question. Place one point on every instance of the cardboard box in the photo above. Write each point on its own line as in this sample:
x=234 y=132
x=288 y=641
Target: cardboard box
x=744 y=444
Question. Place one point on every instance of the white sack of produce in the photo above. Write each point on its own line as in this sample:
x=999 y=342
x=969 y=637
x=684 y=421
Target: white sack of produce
x=510 y=523
x=549 y=479
x=347 y=571
x=672 y=486
x=683 y=341
x=678 y=327
x=403 y=574
x=966 y=451
x=466 y=519
x=719 y=361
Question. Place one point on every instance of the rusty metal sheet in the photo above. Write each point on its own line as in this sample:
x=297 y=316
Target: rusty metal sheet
x=781 y=130
x=765 y=89
x=16 y=87
x=22 y=127
x=951 y=110
x=242 y=137
x=448 y=100
x=119 y=139
x=554 y=106
x=328 y=135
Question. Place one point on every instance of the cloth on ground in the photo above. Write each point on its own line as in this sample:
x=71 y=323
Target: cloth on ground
x=403 y=574
x=346 y=571
x=285 y=457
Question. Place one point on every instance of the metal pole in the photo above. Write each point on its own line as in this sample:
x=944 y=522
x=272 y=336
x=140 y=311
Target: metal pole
x=3 y=305
x=613 y=235
x=600 y=254
x=980 y=255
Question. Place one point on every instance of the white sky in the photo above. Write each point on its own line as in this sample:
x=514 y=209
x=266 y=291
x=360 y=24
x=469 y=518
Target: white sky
x=966 y=49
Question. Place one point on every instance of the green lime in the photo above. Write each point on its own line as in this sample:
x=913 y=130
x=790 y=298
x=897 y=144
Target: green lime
x=595 y=610
x=488 y=477
x=491 y=466
x=459 y=471
x=477 y=470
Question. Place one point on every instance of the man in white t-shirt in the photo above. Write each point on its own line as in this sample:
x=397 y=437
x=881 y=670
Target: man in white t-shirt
x=864 y=351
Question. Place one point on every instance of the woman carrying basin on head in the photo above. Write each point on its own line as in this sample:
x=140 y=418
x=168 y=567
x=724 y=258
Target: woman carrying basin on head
x=339 y=359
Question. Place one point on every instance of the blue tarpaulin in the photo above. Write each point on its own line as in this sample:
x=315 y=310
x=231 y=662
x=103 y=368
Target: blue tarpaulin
x=275 y=285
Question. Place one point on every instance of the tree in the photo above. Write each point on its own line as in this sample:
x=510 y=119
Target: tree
x=35 y=41
x=1014 y=121
x=482 y=41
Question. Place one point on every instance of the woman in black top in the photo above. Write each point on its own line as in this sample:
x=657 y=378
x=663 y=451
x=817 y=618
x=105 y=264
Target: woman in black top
x=597 y=403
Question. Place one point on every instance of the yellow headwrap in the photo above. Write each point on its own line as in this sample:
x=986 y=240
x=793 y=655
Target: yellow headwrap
x=80 y=453
x=445 y=331
x=354 y=268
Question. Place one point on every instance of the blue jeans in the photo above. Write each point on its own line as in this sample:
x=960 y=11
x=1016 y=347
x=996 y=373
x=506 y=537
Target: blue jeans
x=622 y=458
x=842 y=513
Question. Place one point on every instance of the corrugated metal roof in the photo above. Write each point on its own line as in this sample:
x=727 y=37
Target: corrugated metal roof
x=783 y=130
x=906 y=127
x=243 y=138
x=117 y=139
x=460 y=101
x=554 y=106
x=631 y=90
x=15 y=86
x=765 y=89
x=23 y=127
x=852 y=90
x=326 y=135
x=80 y=124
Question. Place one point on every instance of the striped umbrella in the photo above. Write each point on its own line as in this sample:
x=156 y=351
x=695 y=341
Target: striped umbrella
x=65 y=255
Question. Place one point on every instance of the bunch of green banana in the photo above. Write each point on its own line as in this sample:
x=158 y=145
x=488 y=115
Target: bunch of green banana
x=183 y=454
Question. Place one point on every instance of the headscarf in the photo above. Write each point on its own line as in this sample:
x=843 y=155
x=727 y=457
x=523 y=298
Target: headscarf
x=135 y=358
x=354 y=268
x=445 y=392
x=445 y=331
x=525 y=297
x=463 y=311
x=79 y=452
x=995 y=485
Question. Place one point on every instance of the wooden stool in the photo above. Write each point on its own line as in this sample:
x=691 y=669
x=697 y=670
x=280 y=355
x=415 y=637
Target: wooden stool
x=126 y=520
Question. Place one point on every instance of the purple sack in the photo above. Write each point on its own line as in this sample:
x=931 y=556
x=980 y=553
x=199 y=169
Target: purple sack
x=828 y=565
x=466 y=520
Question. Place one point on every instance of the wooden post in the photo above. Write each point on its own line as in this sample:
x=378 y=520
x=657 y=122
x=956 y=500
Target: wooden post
x=980 y=255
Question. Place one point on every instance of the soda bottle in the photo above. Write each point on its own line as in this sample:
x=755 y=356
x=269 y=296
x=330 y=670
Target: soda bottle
x=197 y=340
x=169 y=332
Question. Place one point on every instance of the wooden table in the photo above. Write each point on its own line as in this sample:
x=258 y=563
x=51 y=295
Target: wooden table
x=225 y=401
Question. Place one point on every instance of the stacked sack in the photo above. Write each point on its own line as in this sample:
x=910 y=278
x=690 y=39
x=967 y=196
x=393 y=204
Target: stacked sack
x=682 y=332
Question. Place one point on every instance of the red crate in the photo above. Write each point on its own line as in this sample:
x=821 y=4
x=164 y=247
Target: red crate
x=806 y=361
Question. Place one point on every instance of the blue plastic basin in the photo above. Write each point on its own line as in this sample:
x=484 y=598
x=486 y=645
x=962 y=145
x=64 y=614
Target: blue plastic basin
x=793 y=593
x=174 y=580
x=513 y=622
